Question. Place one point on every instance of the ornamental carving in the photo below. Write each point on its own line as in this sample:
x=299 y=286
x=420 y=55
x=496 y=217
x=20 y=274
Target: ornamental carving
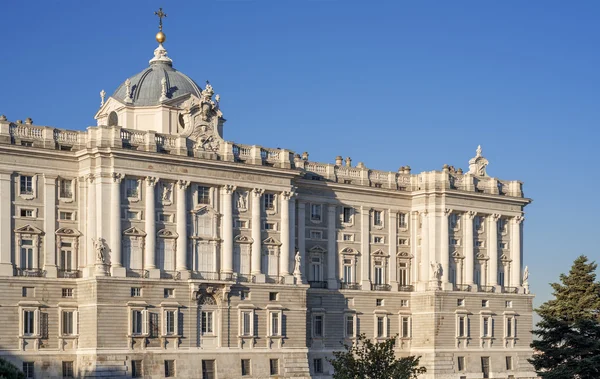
x=478 y=164
x=241 y=201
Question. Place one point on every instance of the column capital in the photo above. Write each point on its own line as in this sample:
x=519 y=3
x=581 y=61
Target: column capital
x=151 y=181
x=258 y=192
x=117 y=177
x=447 y=212
x=495 y=217
x=228 y=189
x=287 y=195
x=90 y=178
x=471 y=214
x=518 y=219
x=183 y=184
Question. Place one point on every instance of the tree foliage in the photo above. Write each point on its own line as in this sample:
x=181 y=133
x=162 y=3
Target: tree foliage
x=9 y=370
x=368 y=360
x=568 y=335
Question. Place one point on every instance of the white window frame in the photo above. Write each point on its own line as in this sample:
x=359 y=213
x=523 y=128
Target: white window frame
x=403 y=241
x=316 y=217
x=74 y=321
x=352 y=315
x=66 y=199
x=381 y=223
x=34 y=212
x=318 y=235
x=486 y=326
x=241 y=224
x=145 y=320
x=197 y=190
x=386 y=324
x=271 y=210
x=512 y=316
x=167 y=217
x=132 y=197
x=467 y=332
x=26 y=194
x=403 y=225
x=67 y=211
x=314 y=316
x=404 y=303
x=264 y=226
x=343 y=237
x=381 y=242
x=270 y=325
x=132 y=214
x=36 y=321
x=249 y=310
x=401 y=328
x=164 y=325
x=212 y=324
x=350 y=222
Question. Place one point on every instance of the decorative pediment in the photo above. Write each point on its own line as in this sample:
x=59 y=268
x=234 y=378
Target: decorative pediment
x=133 y=231
x=164 y=233
x=349 y=250
x=379 y=253
x=271 y=241
x=28 y=229
x=317 y=250
x=111 y=104
x=67 y=232
x=482 y=256
x=242 y=239
x=204 y=209
x=404 y=254
x=505 y=258
x=457 y=255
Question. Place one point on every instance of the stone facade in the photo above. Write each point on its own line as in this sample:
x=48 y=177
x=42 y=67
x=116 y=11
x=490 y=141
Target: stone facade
x=150 y=246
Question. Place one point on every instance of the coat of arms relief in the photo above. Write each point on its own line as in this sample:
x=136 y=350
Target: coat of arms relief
x=201 y=120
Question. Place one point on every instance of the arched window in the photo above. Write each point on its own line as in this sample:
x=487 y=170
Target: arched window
x=207 y=323
x=113 y=119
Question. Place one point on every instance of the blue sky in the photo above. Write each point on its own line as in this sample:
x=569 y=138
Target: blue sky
x=389 y=83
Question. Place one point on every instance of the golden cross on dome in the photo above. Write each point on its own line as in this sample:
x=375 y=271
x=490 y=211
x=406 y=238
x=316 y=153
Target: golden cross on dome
x=160 y=15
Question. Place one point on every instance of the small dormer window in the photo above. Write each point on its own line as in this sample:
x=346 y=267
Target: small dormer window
x=113 y=119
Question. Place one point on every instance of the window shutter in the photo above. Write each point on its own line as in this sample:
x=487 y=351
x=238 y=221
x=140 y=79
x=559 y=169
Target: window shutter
x=36 y=322
x=76 y=322
x=164 y=323
x=180 y=323
x=145 y=322
x=43 y=325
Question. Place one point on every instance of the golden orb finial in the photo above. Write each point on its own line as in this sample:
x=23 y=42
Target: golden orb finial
x=160 y=37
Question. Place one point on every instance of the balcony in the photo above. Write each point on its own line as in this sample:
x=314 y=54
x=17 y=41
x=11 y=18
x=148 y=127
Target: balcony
x=135 y=273
x=462 y=287
x=170 y=275
x=510 y=289
x=245 y=278
x=406 y=288
x=229 y=276
x=381 y=287
x=489 y=289
x=350 y=286
x=273 y=279
x=69 y=274
x=317 y=284
x=205 y=275
x=31 y=272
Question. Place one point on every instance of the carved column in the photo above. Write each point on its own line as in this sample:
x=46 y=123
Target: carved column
x=227 y=267
x=414 y=267
x=332 y=282
x=284 y=256
x=115 y=226
x=425 y=267
x=6 y=265
x=493 y=248
x=393 y=250
x=365 y=247
x=91 y=224
x=469 y=250
x=445 y=249
x=516 y=251
x=50 y=226
x=150 y=217
x=181 y=264
x=302 y=236
x=256 y=234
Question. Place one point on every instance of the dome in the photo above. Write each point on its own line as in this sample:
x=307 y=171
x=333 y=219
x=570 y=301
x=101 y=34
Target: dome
x=147 y=89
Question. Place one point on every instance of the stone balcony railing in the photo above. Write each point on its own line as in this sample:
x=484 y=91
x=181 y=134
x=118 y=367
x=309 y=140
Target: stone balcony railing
x=29 y=135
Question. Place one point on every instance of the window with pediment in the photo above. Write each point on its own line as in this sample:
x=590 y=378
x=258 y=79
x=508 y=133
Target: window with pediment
x=379 y=261
x=348 y=258
x=204 y=256
x=316 y=263
x=204 y=222
x=133 y=248
x=28 y=239
x=270 y=255
x=242 y=255
x=165 y=250
x=404 y=268
x=67 y=250
x=207 y=321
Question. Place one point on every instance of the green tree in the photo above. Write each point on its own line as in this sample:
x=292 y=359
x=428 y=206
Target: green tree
x=568 y=334
x=368 y=360
x=9 y=371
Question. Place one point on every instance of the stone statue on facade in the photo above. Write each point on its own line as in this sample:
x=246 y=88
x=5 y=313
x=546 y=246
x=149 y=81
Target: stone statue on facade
x=167 y=191
x=436 y=270
x=297 y=271
x=478 y=164
x=242 y=200
x=526 y=276
x=100 y=249
x=206 y=102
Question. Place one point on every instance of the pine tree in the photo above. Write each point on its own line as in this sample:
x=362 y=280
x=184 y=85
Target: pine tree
x=568 y=343
x=368 y=360
x=9 y=371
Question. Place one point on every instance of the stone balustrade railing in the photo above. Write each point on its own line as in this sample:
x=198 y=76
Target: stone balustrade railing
x=116 y=137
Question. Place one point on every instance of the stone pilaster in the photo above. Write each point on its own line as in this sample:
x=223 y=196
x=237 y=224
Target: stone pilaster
x=332 y=281
x=6 y=265
x=256 y=235
x=150 y=225
x=493 y=248
x=393 y=250
x=181 y=264
x=284 y=256
x=49 y=191
x=424 y=268
x=302 y=236
x=515 y=251
x=227 y=266
x=469 y=250
x=90 y=234
x=365 y=249
x=445 y=250
x=117 y=268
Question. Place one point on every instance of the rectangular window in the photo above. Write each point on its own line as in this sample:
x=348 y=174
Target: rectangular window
x=28 y=370
x=485 y=303
x=454 y=242
x=241 y=224
x=28 y=291
x=275 y=324
x=503 y=245
x=378 y=302
x=244 y=295
x=169 y=369
x=316 y=212
x=207 y=322
x=274 y=366
x=66 y=256
x=462 y=326
x=486 y=327
x=165 y=217
x=136 y=369
x=479 y=243
x=136 y=291
x=318 y=326
x=403 y=274
x=379 y=274
x=28 y=323
x=66 y=190
x=377 y=218
x=132 y=188
x=246 y=367
x=402 y=241
x=405 y=327
x=67 y=323
x=349 y=326
x=402 y=221
x=268 y=226
x=27 y=254
x=273 y=296
x=169 y=292
x=380 y=326
x=204 y=195
x=404 y=303
x=348 y=237
x=378 y=239
x=460 y=363
x=347 y=215
x=246 y=323
x=170 y=322
x=347 y=181
x=378 y=185
x=208 y=369
x=26 y=212
x=318 y=366
x=509 y=327
x=136 y=322
x=347 y=275
x=508 y=304
x=67 y=369
x=269 y=201
x=65 y=216
x=316 y=235
x=315 y=269
x=26 y=185
x=460 y=302
x=509 y=365
x=485 y=366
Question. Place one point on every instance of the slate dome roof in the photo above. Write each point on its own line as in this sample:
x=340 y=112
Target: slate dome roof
x=146 y=87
